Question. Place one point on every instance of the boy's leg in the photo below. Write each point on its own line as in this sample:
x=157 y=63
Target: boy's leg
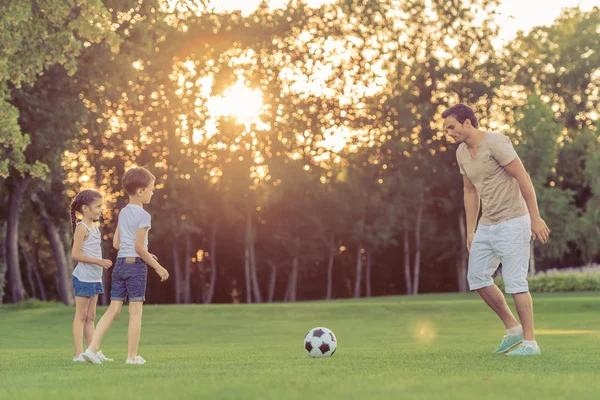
x=104 y=324
x=135 y=329
x=81 y=306
x=88 y=327
x=136 y=288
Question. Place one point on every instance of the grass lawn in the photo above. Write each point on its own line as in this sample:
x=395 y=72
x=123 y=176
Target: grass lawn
x=423 y=347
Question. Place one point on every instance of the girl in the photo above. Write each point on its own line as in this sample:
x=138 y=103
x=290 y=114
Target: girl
x=87 y=276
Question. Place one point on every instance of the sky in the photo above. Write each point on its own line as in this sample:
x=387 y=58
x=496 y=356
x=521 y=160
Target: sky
x=525 y=14
x=516 y=14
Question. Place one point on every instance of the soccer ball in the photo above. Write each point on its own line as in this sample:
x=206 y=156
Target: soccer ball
x=320 y=342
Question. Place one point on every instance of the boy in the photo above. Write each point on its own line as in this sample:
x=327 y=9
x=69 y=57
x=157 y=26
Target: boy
x=130 y=271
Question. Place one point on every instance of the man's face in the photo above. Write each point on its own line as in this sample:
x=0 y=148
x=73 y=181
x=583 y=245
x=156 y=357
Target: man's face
x=455 y=129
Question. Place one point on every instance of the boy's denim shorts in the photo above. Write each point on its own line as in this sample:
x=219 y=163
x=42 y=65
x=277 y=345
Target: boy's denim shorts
x=87 y=289
x=129 y=279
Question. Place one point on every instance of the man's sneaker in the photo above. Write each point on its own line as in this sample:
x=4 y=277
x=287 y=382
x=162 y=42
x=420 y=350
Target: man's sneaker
x=103 y=358
x=79 y=358
x=524 y=350
x=138 y=361
x=91 y=357
x=508 y=343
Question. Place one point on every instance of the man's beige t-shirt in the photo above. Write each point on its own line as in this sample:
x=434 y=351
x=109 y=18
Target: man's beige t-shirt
x=501 y=198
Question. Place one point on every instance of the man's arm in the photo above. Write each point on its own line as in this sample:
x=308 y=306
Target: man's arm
x=538 y=227
x=471 y=199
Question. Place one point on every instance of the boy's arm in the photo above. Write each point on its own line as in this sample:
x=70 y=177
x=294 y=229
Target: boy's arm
x=117 y=239
x=146 y=256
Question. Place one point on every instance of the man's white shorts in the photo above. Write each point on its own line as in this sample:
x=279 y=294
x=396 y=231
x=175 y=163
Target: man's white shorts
x=507 y=243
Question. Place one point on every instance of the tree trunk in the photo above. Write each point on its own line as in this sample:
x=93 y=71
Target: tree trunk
x=36 y=269
x=330 y=267
x=29 y=264
x=255 y=285
x=107 y=246
x=357 y=283
x=368 y=274
x=462 y=260
x=187 y=266
x=417 y=268
x=247 y=274
x=65 y=269
x=17 y=290
x=407 y=278
x=291 y=291
x=2 y=258
x=247 y=256
x=177 y=271
x=213 y=261
x=531 y=258
x=201 y=292
x=272 y=281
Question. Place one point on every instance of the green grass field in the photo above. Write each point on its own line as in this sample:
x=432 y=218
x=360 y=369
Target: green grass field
x=424 y=347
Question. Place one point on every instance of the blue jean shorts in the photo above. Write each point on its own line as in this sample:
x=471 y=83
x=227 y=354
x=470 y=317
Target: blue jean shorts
x=129 y=280
x=87 y=289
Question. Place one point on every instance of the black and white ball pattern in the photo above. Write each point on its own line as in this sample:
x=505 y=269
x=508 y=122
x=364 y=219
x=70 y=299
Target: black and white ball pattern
x=320 y=342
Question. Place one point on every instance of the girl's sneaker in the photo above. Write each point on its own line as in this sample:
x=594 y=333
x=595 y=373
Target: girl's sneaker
x=138 y=361
x=103 y=358
x=79 y=358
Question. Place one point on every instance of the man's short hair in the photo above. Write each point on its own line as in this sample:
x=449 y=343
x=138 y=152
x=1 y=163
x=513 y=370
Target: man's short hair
x=137 y=178
x=461 y=112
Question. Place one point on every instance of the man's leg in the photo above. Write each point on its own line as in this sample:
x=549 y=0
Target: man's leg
x=483 y=262
x=524 y=305
x=494 y=298
x=513 y=245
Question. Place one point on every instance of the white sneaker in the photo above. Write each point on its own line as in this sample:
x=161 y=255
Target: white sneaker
x=103 y=358
x=138 y=361
x=91 y=357
x=79 y=358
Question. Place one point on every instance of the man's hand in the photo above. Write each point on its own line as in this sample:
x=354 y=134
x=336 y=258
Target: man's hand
x=539 y=230
x=153 y=256
x=470 y=237
x=163 y=273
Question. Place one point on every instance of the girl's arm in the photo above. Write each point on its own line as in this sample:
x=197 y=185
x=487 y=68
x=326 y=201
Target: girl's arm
x=77 y=255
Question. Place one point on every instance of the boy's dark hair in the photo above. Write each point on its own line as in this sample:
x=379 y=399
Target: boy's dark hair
x=137 y=178
x=461 y=112
x=83 y=198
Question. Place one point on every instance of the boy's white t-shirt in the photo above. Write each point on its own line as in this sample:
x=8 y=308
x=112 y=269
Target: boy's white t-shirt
x=132 y=218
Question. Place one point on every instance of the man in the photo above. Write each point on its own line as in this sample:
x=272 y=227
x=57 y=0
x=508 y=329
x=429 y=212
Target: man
x=492 y=171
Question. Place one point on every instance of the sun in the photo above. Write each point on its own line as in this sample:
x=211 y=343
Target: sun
x=238 y=101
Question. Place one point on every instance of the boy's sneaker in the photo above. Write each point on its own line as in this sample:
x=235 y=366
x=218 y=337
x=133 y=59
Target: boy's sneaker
x=138 y=361
x=91 y=357
x=508 y=343
x=524 y=350
x=103 y=358
x=79 y=358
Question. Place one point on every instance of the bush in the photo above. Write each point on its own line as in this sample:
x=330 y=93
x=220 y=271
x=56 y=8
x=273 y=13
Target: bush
x=562 y=280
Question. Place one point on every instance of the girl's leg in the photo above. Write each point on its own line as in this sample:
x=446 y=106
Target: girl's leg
x=88 y=328
x=135 y=329
x=81 y=306
x=107 y=319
